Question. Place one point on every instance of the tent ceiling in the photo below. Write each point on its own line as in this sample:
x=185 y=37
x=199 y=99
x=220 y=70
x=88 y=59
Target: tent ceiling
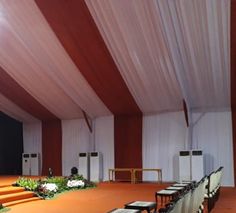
x=169 y=50
x=164 y=50
x=32 y=55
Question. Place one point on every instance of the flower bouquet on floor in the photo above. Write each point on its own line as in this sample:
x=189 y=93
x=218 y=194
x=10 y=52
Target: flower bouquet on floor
x=46 y=188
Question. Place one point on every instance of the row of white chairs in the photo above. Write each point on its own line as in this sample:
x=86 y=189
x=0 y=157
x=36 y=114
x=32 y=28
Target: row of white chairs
x=189 y=202
x=213 y=188
x=192 y=200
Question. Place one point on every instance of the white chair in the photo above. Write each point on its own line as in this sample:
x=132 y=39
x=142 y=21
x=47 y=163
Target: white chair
x=213 y=188
x=186 y=202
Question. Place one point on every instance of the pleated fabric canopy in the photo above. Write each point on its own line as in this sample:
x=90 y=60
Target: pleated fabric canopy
x=113 y=57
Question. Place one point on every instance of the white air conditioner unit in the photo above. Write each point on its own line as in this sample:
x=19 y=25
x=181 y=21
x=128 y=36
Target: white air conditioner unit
x=96 y=167
x=30 y=164
x=184 y=166
x=197 y=171
x=84 y=165
x=25 y=164
x=34 y=164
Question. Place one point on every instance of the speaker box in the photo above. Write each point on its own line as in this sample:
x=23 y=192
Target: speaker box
x=184 y=166
x=197 y=170
x=96 y=167
x=84 y=165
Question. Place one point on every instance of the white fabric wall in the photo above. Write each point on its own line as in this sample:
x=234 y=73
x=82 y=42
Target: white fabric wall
x=32 y=138
x=163 y=137
x=76 y=138
x=104 y=141
x=212 y=132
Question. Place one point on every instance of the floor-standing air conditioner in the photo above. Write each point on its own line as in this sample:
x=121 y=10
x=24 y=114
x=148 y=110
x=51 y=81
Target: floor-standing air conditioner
x=84 y=165
x=25 y=164
x=184 y=166
x=197 y=165
x=96 y=168
x=34 y=164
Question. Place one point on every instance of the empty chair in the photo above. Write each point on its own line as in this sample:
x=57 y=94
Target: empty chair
x=178 y=205
x=186 y=202
x=213 y=188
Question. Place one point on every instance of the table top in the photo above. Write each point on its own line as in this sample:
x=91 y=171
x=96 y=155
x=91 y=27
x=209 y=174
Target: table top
x=140 y=169
x=125 y=211
x=166 y=192
x=181 y=184
x=141 y=203
x=137 y=169
x=121 y=169
x=175 y=188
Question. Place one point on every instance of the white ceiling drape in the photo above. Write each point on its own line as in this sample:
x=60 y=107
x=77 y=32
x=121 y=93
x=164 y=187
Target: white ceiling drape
x=169 y=50
x=31 y=53
x=198 y=34
x=14 y=111
x=165 y=50
x=132 y=31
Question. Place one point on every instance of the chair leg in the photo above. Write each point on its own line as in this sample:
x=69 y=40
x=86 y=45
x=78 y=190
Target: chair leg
x=209 y=204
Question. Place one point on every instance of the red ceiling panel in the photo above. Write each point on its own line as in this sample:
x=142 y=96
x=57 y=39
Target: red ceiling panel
x=18 y=95
x=73 y=24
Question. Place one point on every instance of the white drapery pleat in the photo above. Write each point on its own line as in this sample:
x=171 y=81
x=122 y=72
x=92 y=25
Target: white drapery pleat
x=212 y=132
x=198 y=36
x=14 y=111
x=164 y=135
x=169 y=50
x=163 y=138
x=76 y=138
x=31 y=53
x=32 y=139
x=133 y=33
x=104 y=142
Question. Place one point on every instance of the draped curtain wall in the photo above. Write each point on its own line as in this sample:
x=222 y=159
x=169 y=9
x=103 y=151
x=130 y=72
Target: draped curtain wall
x=76 y=138
x=104 y=142
x=32 y=139
x=128 y=143
x=163 y=137
x=52 y=146
x=212 y=132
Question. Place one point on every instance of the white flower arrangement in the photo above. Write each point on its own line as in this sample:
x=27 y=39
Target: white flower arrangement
x=75 y=183
x=52 y=187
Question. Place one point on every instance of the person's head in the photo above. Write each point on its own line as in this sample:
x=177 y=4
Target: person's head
x=74 y=171
x=50 y=172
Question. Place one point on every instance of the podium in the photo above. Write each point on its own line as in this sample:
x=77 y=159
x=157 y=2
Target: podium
x=96 y=169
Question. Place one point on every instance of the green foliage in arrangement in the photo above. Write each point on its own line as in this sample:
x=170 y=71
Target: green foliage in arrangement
x=48 y=187
x=27 y=183
x=2 y=209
